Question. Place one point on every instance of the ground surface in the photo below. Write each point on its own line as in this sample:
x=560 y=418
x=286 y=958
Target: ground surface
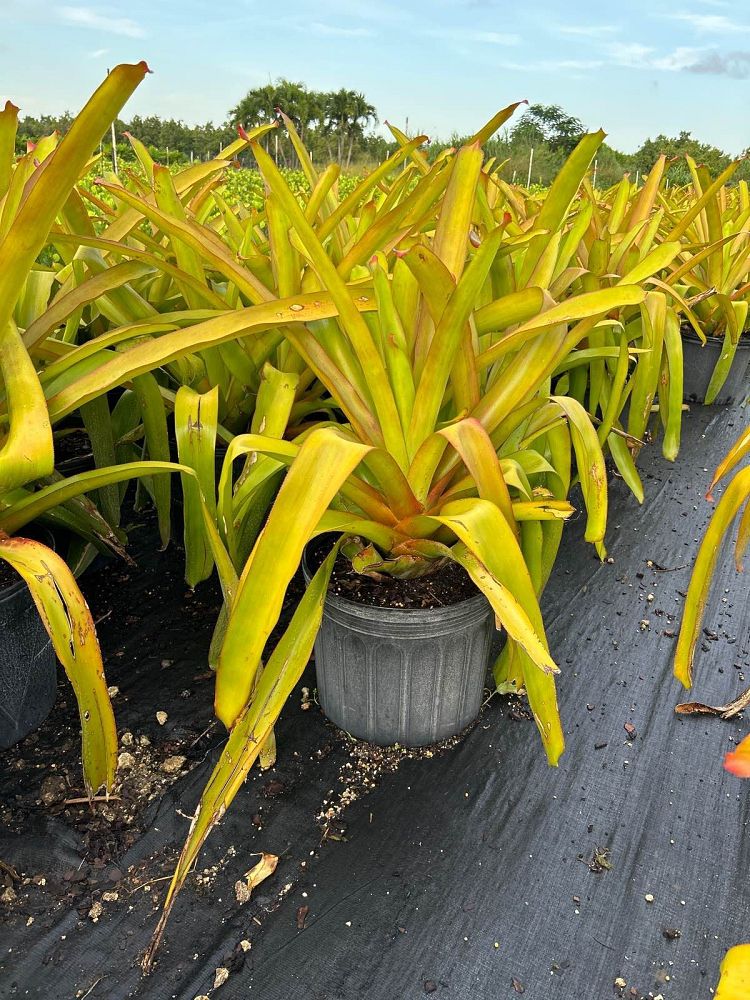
x=474 y=873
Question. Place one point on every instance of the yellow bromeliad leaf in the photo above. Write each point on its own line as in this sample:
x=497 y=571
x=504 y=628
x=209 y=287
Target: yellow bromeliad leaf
x=325 y=461
x=70 y=626
x=734 y=497
x=735 y=974
x=252 y=729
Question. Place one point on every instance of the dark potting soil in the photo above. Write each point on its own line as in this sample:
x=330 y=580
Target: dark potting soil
x=448 y=585
x=478 y=872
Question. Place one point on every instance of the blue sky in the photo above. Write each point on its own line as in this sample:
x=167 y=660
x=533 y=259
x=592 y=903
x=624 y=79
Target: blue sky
x=636 y=68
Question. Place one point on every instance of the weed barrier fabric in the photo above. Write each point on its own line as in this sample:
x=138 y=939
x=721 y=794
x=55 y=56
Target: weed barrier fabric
x=478 y=873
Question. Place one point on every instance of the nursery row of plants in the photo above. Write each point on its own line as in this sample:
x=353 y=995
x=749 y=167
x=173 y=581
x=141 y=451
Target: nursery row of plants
x=428 y=369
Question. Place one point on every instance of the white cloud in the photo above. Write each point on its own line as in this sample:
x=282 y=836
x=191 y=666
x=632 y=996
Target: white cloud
x=631 y=54
x=682 y=58
x=587 y=30
x=86 y=17
x=718 y=23
x=337 y=31
x=470 y=35
x=98 y=53
x=553 y=66
x=685 y=58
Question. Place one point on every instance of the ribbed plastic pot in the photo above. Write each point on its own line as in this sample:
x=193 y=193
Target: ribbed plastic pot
x=393 y=675
x=699 y=363
x=28 y=666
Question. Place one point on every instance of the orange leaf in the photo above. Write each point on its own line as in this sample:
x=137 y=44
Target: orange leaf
x=738 y=761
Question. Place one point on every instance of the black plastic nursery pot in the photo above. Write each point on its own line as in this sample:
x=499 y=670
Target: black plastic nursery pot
x=397 y=675
x=699 y=362
x=28 y=666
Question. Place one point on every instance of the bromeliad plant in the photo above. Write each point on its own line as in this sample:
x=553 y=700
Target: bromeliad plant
x=449 y=444
x=711 y=276
x=33 y=192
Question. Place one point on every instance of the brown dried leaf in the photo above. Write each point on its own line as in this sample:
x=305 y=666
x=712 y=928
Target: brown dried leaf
x=302 y=917
x=723 y=711
x=259 y=873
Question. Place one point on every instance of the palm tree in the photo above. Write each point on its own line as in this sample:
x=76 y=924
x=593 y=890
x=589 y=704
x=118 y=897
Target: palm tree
x=346 y=115
x=362 y=113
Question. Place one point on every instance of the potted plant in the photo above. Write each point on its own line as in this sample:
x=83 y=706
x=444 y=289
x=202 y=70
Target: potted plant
x=33 y=192
x=450 y=457
x=711 y=279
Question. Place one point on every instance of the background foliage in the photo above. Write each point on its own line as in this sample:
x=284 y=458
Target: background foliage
x=339 y=126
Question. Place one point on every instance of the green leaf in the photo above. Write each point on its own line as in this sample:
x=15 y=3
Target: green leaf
x=154 y=417
x=196 y=416
x=592 y=471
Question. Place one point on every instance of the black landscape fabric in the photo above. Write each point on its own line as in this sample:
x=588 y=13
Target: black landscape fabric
x=477 y=872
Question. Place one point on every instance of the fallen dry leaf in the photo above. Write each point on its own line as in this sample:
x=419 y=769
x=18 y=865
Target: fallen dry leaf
x=259 y=873
x=220 y=977
x=723 y=711
x=517 y=985
x=302 y=917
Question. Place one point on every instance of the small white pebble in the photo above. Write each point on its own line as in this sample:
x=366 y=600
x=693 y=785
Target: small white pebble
x=649 y=897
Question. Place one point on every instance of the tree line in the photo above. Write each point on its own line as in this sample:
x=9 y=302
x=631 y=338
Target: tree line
x=339 y=126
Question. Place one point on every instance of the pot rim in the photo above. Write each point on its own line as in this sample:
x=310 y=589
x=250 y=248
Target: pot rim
x=688 y=333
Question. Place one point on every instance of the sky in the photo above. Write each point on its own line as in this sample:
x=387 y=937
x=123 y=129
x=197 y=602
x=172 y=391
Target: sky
x=636 y=68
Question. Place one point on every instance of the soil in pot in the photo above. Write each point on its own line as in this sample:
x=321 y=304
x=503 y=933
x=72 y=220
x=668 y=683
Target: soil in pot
x=450 y=585
x=401 y=661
